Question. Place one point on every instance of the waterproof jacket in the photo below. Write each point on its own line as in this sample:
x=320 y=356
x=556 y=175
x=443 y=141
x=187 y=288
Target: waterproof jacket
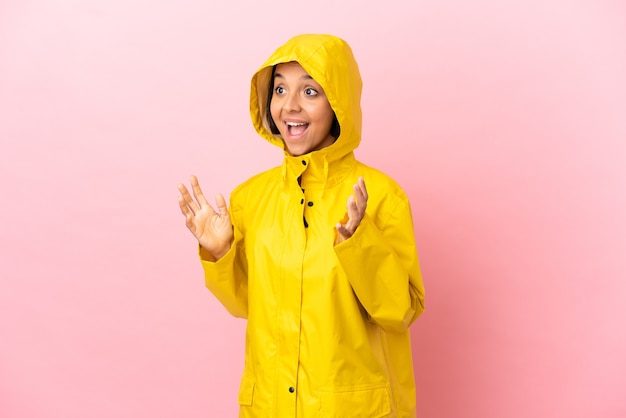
x=328 y=325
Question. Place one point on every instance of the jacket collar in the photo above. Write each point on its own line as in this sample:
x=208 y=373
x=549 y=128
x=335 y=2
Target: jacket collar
x=316 y=169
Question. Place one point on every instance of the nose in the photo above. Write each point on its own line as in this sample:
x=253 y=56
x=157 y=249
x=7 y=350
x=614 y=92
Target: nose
x=292 y=102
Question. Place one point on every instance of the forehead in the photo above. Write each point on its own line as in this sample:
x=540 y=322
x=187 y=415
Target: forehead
x=291 y=69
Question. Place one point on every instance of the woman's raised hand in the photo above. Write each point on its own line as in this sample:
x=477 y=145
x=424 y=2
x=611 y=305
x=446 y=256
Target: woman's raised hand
x=357 y=203
x=213 y=229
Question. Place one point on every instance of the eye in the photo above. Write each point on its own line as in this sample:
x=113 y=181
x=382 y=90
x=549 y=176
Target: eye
x=309 y=91
x=279 y=90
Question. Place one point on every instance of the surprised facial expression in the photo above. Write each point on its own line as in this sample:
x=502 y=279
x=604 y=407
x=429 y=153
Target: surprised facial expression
x=300 y=110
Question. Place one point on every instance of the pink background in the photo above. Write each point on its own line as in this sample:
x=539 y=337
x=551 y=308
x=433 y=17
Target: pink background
x=504 y=121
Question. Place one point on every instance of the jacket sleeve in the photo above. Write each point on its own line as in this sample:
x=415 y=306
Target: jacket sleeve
x=227 y=278
x=382 y=266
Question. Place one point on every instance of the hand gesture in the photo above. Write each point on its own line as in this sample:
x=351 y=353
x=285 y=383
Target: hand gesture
x=356 y=210
x=213 y=229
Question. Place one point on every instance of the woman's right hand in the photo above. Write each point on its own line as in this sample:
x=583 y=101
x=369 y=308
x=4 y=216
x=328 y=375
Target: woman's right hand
x=213 y=229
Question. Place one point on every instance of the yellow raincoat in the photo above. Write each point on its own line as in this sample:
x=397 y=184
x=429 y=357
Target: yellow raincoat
x=327 y=332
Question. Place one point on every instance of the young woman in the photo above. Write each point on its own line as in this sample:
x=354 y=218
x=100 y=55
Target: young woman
x=324 y=268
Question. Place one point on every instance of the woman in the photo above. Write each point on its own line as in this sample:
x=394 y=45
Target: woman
x=324 y=268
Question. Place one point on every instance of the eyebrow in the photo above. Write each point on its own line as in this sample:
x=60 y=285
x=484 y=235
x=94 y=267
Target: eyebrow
x=304 y=77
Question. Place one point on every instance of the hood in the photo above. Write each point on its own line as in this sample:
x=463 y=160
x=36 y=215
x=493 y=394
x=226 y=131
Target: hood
x=329 y=60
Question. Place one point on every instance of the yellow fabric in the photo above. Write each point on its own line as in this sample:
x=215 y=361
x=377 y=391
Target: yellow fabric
x=327 y=332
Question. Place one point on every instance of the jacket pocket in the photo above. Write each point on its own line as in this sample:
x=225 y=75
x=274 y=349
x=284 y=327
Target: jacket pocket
x=355 y=402
x=246 y=390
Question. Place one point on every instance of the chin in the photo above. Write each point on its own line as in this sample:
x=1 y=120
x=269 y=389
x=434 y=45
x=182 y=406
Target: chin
x=296 y=151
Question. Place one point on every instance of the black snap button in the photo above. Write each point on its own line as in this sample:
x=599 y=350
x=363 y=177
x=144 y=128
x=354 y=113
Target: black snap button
x=291 y=389
x=303 y=162
x=310 y=203
x=301 y=201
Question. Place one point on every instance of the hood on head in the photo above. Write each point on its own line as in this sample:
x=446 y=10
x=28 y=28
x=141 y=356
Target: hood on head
x=329 y=60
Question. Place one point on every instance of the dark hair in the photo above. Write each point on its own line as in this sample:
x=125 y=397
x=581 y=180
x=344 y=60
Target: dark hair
x=335 y=129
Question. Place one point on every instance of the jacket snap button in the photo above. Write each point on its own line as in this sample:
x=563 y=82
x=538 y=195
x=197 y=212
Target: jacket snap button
x=301 y=201
x=310 y=203
x=303 y=162
x=291 y=389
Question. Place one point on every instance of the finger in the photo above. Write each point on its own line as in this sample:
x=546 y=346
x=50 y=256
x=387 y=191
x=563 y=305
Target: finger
x=183 y=206
x=361 y=184
x=343 y=231
x=189 y=215
x=353 y=215
x=187 y=199
x=197 y=192
x=221 y=204
x=360 y=193
x=189 y=221
x=359 y=197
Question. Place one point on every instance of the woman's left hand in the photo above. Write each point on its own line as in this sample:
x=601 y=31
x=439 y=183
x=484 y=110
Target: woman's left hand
x=356 y=210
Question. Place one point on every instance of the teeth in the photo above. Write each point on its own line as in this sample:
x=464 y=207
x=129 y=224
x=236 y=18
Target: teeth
x=295 y=124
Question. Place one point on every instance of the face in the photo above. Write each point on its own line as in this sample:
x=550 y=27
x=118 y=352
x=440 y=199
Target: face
x=300 y=110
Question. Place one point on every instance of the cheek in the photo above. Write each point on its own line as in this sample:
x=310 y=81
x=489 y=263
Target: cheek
x=327 y=117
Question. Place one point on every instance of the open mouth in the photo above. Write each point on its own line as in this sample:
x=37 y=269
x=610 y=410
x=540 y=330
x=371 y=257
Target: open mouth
x=296 y=128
